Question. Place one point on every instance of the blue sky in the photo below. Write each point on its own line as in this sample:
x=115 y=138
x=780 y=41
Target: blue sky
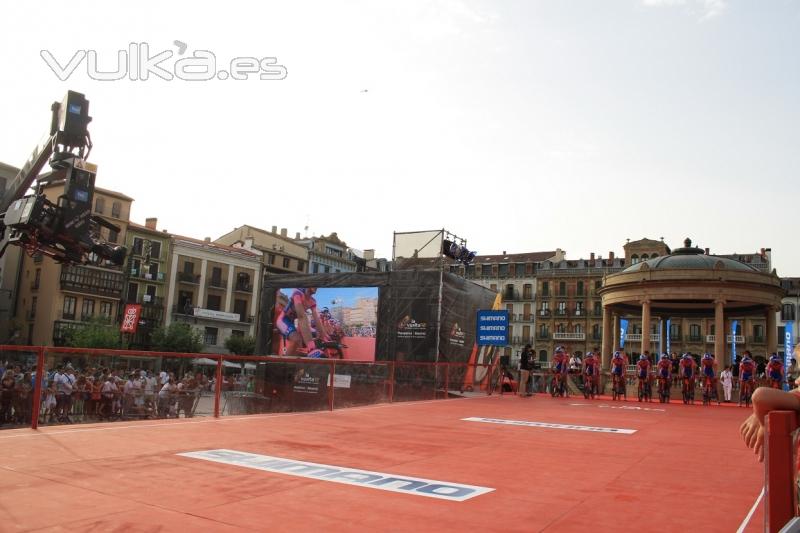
x=342 y=296
x=521 y=126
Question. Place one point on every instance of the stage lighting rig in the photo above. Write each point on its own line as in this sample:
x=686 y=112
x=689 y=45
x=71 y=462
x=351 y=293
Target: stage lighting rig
x=65 y=230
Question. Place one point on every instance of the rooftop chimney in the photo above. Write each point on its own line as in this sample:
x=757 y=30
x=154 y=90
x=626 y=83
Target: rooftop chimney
x=248 y=242
x=763 y=251
x=207 y=239
x=708 y=251
x=369 y=255
x=283 y=232
x=611 y=257
x=151 y=223
x=504 y=252
x=297 y=235
x=274 y=229
x=591 y=257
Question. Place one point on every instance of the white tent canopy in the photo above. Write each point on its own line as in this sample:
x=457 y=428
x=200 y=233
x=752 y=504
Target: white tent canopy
x=205 y=361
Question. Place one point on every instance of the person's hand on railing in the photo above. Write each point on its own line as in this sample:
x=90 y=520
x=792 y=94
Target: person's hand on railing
x=752 y=431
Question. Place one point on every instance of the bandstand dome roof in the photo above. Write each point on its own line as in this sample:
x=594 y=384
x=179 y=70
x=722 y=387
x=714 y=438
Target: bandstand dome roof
x=692 y=258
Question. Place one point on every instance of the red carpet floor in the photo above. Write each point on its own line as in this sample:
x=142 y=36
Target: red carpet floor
x=683 y=469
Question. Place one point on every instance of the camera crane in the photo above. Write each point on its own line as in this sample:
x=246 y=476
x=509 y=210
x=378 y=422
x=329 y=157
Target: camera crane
x=66 y=230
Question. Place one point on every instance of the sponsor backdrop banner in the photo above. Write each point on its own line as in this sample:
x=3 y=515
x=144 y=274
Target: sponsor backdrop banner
x=623 y=329
x=408 y=316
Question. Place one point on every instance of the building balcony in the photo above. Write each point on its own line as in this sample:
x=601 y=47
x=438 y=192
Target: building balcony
x=188 y=277
x=146 y=275
x=543 y=335
x=757 y=339
x=220 y=284
x=544 y=313
x=569 y=336
x=711 y=339
x=695 y=338
x=561 y=312
x=521 y=340
x=34 y=285
x=243 y=287
x=94 y=281
x=152 y=301
x=580 y=312
x=521 y=317
x=31 y=315
x=61 y=331
x=637 y=337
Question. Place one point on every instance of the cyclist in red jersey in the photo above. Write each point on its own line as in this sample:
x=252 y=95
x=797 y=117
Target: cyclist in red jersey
x=591 y=367
x=643 y=373
x=664 y=372
x=619 y=363
x=560 y=366
x=687 y=370
x=775 y=371
x=708 y=364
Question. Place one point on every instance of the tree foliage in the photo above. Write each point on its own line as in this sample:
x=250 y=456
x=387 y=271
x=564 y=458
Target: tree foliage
x=177 y=337
x=241 y=344
x=99 y=333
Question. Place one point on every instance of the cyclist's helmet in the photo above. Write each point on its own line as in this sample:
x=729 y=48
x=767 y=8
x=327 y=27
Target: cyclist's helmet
x=774 y=357
x=643 y=357
x=707 y=356
x=687 y=356
x=560 y=349
x=324 y=312
x=617 y=355
x=746 y=359
x=664 y=356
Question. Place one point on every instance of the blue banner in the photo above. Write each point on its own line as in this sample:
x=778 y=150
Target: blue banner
x=669 y=332
x=733 y=342
x=623 y=329
x=788 y=347
x=492 y=328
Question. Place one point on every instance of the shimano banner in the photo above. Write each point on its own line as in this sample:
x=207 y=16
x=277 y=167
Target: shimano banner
x=623 y=329
x=788 y=347
x=668 y=333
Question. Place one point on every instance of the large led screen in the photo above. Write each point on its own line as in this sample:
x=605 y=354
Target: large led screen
x=330 y=322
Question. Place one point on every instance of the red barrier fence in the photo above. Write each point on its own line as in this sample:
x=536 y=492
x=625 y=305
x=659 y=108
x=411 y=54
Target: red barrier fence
x=217 y=385
x=780 y=469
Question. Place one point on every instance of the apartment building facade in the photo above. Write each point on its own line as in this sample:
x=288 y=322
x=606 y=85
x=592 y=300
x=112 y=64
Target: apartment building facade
x=146 y=278
x=214 y=288
x=328 y=254
x=9 y=271
x=514 y=277
x=280 y=254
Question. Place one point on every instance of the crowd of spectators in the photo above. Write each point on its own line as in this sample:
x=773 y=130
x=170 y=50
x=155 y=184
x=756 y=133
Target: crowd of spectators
x=100 y=393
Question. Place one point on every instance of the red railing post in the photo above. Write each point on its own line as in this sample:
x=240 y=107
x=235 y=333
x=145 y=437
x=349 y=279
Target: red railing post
x=447 y=381
x=391 y=382
x=779 y=470
x=37 y=388
x=217 y=387
x=331 y=375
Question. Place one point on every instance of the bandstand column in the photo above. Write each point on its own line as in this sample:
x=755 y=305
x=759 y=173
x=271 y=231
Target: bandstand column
x=645 y=325
x=608 y=338
x=772 y=332
x=615 y=333
x=719 y=332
